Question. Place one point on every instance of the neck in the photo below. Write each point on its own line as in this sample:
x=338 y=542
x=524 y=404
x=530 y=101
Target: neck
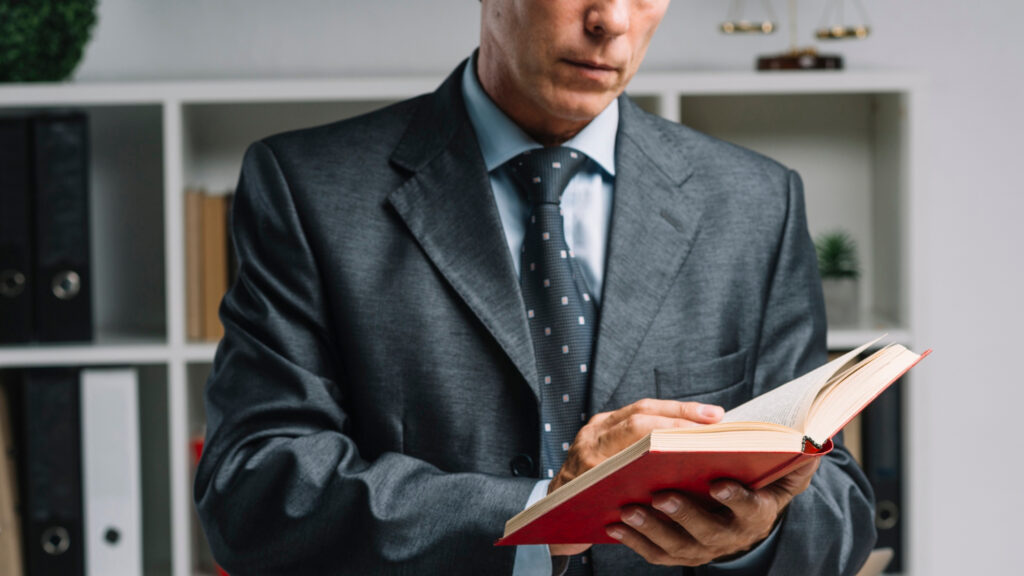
x=544 y=128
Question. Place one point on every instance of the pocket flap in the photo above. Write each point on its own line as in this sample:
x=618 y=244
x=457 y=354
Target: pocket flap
x=701 y=376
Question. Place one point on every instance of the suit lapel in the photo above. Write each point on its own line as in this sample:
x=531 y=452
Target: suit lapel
x=448 y=207
x=654 y=223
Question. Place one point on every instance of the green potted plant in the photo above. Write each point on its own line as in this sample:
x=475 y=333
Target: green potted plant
x=840 y=269
x=43 y=40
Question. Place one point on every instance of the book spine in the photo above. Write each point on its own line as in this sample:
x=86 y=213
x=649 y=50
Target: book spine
x=798 y=460
x=51 y=473
x=10 y=529
x=63 y=295
x=193 y=264
x=15 y=232
x=215 y=266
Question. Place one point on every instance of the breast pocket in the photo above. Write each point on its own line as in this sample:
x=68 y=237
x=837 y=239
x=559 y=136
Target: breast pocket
x=719 y=380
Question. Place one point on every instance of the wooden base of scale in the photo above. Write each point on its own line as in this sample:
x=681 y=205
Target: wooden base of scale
x=802 y=59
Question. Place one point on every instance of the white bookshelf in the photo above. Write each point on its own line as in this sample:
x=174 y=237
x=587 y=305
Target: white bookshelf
x=854 y=136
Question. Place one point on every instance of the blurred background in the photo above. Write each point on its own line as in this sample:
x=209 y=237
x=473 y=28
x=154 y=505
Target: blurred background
x=910 y=156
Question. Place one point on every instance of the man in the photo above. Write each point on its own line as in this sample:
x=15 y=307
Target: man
x=383 y=398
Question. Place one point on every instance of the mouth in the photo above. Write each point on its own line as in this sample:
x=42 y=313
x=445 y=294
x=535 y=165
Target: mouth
x=592 y=65
x=593 y=73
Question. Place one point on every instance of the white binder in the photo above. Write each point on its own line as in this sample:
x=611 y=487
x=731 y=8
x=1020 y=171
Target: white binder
x=111 y=484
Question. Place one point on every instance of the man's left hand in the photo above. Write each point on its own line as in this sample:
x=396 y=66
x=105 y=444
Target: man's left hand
x=686 y=533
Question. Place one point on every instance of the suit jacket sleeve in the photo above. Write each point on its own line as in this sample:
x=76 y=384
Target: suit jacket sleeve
x=828 y=529
x=281 y=487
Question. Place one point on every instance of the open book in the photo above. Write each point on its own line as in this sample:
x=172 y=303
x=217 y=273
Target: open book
x=756 y=443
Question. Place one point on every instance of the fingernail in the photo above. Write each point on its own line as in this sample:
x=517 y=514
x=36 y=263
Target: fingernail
x=634 y=518
x=710 y=411
x=724 y=493
x=669 y=506
x=615 y=533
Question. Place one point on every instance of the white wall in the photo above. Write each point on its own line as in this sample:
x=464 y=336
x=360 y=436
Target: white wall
x=973 y=278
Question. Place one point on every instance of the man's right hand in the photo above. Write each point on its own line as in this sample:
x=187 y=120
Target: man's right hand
x=608 y=433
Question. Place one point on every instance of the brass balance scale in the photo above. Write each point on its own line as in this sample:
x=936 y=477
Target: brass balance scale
x=832 y=27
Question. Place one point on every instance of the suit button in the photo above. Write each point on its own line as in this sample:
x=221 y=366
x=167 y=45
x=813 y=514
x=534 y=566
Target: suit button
x=522 y=465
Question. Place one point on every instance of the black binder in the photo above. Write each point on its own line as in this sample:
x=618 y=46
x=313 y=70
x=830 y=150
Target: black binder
x=51 y=473
x=63 y=296
x=15 y=232
x=883 y=464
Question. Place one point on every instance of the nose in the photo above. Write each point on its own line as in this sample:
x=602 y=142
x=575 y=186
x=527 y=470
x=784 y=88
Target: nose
x=608 y=18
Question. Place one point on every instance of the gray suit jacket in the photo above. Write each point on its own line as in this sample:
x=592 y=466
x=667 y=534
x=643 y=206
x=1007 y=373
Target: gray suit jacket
x=375 y=392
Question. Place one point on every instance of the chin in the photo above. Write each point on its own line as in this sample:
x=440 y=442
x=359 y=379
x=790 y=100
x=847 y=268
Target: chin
x=579 y=106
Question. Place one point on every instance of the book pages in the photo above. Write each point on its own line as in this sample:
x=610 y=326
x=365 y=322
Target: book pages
x=790 y=403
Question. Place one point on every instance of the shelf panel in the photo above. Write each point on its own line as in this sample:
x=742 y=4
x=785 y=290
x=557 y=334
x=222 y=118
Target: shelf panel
x=200 y=351
x=775 y=82
x=43 y=94
x=106 y=348
x=841 y=338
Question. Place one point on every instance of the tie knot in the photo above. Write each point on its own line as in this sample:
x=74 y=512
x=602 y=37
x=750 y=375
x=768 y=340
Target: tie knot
x=543 y=173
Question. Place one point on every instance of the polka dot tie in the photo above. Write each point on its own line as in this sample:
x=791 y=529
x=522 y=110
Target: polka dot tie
x=559 y=307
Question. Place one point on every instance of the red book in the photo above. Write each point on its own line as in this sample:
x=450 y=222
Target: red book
x=755 y=443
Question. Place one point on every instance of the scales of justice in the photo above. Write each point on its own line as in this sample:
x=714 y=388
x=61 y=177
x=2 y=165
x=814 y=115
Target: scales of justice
x=833 y=27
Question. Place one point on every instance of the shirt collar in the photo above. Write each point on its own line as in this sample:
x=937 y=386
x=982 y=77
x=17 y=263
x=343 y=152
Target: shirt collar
x=501 y=139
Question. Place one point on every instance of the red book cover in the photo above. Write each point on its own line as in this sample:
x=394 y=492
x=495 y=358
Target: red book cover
x=582 y=519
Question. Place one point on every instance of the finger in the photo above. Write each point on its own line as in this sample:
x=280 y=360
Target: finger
x=692 y=411
x=787 y=487
x=797 y=481
x=599 y=417
x=747 y=505
x=660 y=531
x=706 y=527
x=633 y=428
x=639 y=544
x=802 y=475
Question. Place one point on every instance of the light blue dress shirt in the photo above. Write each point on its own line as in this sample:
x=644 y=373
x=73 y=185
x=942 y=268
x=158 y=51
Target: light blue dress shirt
x=587 y=200
x=586 y=213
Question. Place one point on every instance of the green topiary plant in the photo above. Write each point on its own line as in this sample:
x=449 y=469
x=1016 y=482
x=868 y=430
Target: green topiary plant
x=43 y=40
x=837 y=255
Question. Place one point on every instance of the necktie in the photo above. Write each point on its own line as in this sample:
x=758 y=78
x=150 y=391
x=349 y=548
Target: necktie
x=559 y=307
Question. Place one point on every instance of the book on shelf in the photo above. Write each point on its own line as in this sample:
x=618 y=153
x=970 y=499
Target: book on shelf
x=209 y=261
x=193 y=264
x=10 y=520
x=49 y=463
x=215 y=264
x=45 y=268
x=756 y=443
x=15 y=232
x=70 y=472
x=111 y=471
x=63 y=278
